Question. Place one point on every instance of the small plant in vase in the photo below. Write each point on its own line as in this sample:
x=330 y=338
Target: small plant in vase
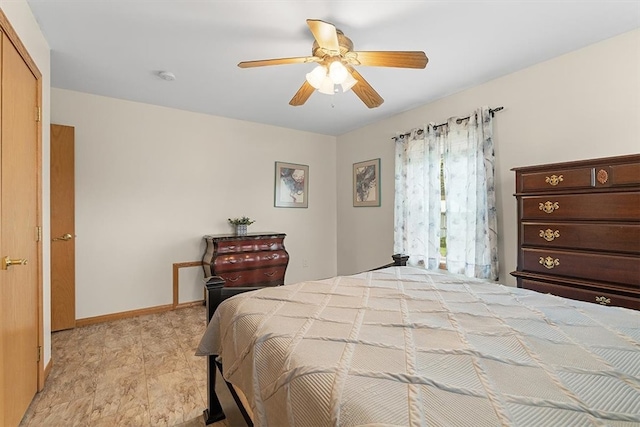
x=241 y=224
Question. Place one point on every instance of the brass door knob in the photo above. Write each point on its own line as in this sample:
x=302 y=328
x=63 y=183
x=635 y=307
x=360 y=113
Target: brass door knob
x=64 y=237
x=8 y=262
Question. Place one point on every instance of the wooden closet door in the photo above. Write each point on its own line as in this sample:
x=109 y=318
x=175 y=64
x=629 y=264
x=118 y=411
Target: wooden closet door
x=19 y=347
x=63 y=281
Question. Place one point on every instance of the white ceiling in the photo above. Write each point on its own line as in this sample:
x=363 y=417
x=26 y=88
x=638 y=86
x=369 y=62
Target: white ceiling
x=116 y=47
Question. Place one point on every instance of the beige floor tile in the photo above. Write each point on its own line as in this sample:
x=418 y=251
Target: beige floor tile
x=174 y=397
x=73 y=413
x=138 y=372
x=152 y=344
x=120 y=389
x=166 y=361
x=66 y=388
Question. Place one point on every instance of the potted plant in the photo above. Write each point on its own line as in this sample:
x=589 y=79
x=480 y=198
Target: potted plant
x=241 y=224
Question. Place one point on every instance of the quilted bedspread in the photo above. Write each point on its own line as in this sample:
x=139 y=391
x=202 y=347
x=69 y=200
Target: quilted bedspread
x=409 y=347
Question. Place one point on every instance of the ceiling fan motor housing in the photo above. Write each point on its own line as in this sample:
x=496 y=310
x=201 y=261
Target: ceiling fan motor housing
x=345 y=43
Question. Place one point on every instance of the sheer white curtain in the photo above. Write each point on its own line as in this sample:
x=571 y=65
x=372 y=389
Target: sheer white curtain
x=417 y=197
x=472 y=243
x=466 y=149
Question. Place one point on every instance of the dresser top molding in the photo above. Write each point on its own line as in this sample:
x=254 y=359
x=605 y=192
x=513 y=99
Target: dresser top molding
x=630 y=158
x=248 y=236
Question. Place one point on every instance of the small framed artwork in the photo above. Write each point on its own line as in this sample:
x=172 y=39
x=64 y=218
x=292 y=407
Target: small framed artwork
x=366 y=183
x=292 y=185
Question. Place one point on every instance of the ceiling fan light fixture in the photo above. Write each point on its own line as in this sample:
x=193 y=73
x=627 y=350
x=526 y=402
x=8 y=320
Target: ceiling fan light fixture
x=327 y=87
x=348 y=83
x=338 y=72
x=317 y=76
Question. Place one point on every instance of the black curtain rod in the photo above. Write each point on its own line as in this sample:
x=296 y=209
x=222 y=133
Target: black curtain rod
x=460 y=120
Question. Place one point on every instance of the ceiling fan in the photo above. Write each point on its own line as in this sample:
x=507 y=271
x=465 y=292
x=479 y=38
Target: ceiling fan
x=333 y=51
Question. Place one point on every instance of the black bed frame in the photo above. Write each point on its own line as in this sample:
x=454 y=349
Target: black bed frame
x=216 y=292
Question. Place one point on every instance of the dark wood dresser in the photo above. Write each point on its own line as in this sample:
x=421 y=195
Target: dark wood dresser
x=579 y=230
x=257 y=259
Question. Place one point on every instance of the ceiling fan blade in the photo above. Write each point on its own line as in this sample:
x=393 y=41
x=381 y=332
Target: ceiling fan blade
x=302 y=94
x=325 y=34
x=277 y=61
x=407 y=59
x=364 y=91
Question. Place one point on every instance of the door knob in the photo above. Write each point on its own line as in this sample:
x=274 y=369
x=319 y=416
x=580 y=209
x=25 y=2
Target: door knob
x=8 y=262
x=63 y=237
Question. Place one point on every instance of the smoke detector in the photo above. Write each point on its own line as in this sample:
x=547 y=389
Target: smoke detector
x=166 y=75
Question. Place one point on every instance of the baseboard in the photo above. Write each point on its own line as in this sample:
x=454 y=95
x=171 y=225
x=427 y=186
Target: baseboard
x=47 y=369
x=123 y=315
x=135 y=313
x=190 y=304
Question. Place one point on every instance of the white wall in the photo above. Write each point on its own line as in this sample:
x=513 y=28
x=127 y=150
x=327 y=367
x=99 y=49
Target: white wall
x=581 y=105
x=23 y=22
x=151 y=181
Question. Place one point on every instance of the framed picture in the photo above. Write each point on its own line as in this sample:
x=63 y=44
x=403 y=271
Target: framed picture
x=292 y=185
x=366 y=183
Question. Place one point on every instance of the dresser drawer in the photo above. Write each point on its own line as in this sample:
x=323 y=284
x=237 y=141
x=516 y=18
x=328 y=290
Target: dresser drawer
x=269 y=245
x=249 y=245
x=594 y=206
x=622 y=175
x=624 y=270
x=557 y=180
x=244 y=260
x=604 y=297
x=608 y=237
x=234 y=246
x=619 y=173
x=268 y=276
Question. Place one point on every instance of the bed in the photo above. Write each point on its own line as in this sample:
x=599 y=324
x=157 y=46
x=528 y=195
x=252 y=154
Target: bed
x=410 y=347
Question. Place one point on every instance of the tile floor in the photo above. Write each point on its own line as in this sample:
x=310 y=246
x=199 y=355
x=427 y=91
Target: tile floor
x=137 y=372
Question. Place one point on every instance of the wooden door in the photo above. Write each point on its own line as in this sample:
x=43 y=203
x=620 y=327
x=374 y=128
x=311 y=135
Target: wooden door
x=63 y=282
x=19 y=297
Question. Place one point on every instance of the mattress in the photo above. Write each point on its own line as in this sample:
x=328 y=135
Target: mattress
x=409 y=347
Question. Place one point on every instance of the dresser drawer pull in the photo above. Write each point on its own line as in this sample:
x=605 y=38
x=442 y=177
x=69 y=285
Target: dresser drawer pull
x=548 y=207
x=232 y=279
x=549 y=235
x=554 y=180
x=549 y=262
x=603 y=300
x=270 y=274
